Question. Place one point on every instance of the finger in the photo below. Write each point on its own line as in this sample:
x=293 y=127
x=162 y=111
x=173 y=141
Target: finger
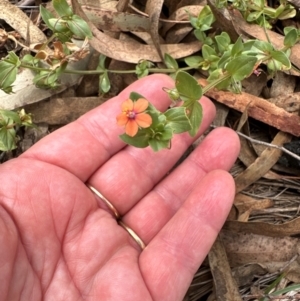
x=171 y=259
x=131 y=173
x=160 y=205
x=84 y=145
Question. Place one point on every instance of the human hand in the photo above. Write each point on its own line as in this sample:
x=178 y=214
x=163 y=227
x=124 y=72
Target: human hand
x=58 y=241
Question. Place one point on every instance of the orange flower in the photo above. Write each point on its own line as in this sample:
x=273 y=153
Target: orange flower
x=133 y=116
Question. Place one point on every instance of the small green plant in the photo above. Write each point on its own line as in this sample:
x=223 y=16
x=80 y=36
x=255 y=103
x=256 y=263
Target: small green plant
x=226 y=63
x=146 y=126
x=10 y=122
x=257 y=11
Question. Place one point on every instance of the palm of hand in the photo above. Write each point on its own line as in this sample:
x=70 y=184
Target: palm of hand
x=57 y=243
x=69 y=248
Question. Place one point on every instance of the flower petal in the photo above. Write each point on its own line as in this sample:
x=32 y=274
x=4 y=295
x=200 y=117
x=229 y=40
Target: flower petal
x=127 y=105
x=122 y=119
x=131 y=128
x=143 y=120
x=140 y=105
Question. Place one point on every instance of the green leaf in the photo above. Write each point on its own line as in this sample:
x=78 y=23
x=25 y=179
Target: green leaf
x=291 y=37
x=46 y=79
x=200 y=35
x=205 y=18
x=193 y=61
x=173 y=94
x=79 y=27
x=104 y=82
x=178 y=120
x=273 y=66
x=59 y=26
x=46 y=15
x=9 y=117
x=13 y=59
x=62 y=8
x=170 y=62
x=288 y=13
x=29 y=59
x=223 y=41
x=165 y=134
x=134 y=96
x=238 y=47
x=241 y=66
x=254 y=16
x=8 y=71
x=265 y=47
x=208 y=52
x=157 y=145
x=7 y=139
x=142 y=68
x=195 y=116
x=225 y=58
x=188 y=87
x=140 y=140
x=281 y=57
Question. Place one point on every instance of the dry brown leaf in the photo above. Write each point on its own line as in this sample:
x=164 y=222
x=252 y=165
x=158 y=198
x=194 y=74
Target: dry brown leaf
x=255 y=84
x=244 y=275
x=282 y=84
x=223 y=20
x=18 y=20
x=288 y=101
x=178 y=33
x=245 y=248
x=221 y=114
x=226 y=288
x=262 y=164
x=244 y=203
x=285 y=229
x=153 y=9
x=133 y=52
x=258 y=108
x=116 y=21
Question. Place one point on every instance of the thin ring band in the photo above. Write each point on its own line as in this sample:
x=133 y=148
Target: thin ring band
x=117 y=216
x=106 y=201
x=133 y=235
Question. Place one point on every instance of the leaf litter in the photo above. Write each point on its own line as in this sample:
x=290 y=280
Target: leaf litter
x=259 y=243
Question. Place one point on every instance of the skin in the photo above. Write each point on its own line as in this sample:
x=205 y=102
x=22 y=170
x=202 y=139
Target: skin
x=59 y=242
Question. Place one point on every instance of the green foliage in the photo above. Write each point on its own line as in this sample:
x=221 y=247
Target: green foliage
x=175 y=120
x=203 y=23
x=9 y=122
x=69 y=24
x=170 y=62
x=142 y=68
x=104 y=82
x=259 y=12
x=227 y=64
x=187 y=86
x=8 y=71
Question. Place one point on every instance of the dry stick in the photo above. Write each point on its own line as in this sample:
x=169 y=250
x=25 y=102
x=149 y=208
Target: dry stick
x=266 y=144
x=257 y=108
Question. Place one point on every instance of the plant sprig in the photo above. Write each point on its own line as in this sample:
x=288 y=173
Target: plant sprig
x=10 y=122
x=226 y=63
